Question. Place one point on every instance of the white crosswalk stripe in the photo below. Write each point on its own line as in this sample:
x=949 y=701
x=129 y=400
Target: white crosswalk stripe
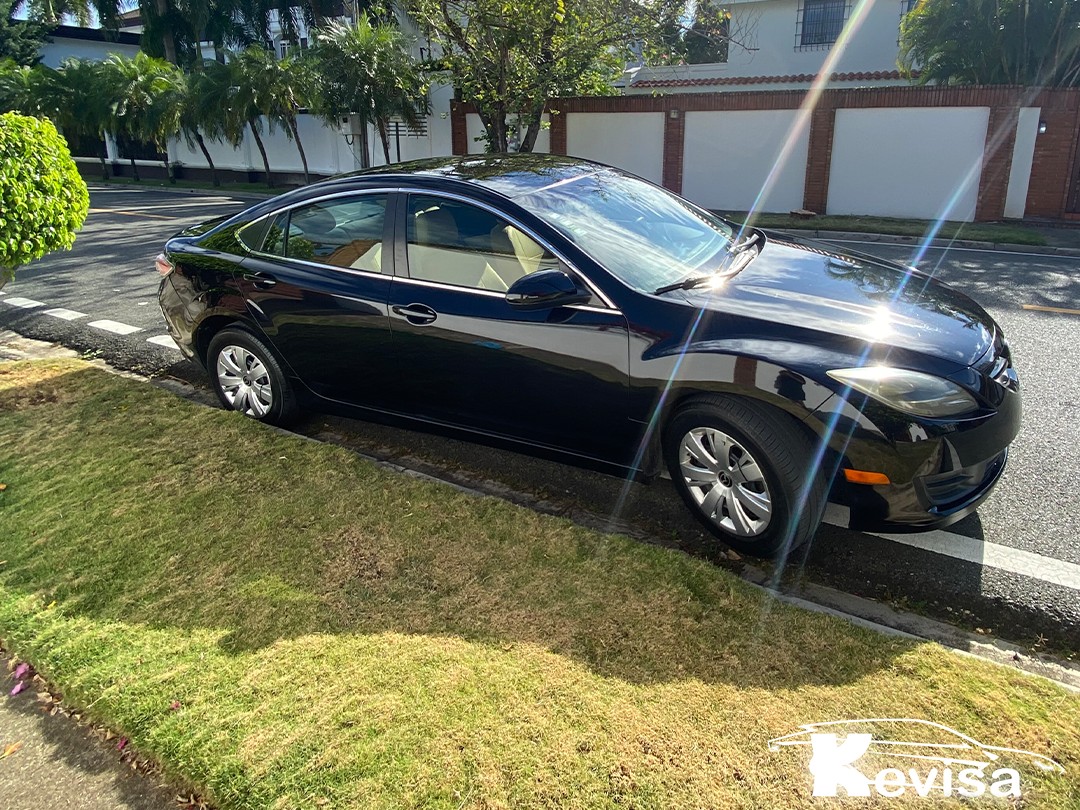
x=115 y=327
x=24 y=303
x=163 y=340
x=64 y=314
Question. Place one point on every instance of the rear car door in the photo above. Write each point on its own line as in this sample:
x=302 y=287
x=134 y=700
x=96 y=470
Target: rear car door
x=556 y=376
x=318 y=279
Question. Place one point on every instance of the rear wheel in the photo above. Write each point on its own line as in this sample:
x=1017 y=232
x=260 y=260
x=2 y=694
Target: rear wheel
x=248 y=378
x=747 y=473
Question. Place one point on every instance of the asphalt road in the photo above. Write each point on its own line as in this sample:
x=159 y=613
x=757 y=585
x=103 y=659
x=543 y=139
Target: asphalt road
x=1013 y=569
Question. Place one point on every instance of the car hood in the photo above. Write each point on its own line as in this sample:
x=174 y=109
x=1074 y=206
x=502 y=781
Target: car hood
x=806 y=285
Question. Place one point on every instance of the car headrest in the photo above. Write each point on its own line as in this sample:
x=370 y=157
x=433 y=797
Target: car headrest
x=436 y=226
x=314 y=220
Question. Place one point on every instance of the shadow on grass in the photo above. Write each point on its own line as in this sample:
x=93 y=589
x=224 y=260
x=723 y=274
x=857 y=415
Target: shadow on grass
x=126 y=504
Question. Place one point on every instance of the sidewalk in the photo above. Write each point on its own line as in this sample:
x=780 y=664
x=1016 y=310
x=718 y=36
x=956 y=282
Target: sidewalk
x=59 y=764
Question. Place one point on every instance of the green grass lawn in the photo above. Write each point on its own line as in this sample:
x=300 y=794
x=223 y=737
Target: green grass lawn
x=281 y=624
x=1000 y=233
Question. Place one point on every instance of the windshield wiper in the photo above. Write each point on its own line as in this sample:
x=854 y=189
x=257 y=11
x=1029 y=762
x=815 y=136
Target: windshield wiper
x=744 y=244
x=685 y=284
x=696 y=281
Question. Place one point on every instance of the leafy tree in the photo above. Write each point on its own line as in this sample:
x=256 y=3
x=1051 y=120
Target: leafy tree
x=43 y=200
x=38 y=91
x=276 y=89
x=365 y=69
x=1022 y=42
x=508 y=59
x=146 y=96
x=707 y=39
x=20 y=40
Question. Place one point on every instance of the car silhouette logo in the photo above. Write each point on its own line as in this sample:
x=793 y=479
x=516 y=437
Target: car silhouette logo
x=921 y=755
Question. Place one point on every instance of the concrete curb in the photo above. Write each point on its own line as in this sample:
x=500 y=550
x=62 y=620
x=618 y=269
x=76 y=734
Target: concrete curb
x=889 y=239
x=253 y=196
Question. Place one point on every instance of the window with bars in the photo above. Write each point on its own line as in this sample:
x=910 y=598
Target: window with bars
x=819 y=23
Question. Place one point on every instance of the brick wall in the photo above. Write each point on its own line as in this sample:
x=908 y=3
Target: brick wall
x=1053 y=168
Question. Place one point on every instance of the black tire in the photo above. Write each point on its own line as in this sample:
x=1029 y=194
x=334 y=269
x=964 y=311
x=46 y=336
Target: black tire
x=262 y=391
x=791 y=493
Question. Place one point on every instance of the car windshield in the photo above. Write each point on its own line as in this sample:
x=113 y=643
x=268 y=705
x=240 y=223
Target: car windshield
x=646 y=236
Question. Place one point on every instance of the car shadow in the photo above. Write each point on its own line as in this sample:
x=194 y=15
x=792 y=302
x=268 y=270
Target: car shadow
x=635 y=613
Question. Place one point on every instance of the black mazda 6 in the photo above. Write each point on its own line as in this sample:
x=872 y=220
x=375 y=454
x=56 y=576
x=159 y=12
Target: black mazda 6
x=569 y=308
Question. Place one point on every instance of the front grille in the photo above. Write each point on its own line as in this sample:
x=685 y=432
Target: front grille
x=954 y=487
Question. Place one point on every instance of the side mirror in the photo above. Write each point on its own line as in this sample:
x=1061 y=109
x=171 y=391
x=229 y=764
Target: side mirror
x=545 y=288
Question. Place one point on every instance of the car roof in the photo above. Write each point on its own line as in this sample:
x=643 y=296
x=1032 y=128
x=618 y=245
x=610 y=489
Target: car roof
x=510 y=175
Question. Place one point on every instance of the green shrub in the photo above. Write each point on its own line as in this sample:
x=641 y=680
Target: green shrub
x=43 y=200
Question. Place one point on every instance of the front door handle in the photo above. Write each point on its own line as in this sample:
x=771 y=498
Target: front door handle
x=418 y=314
x=260 y=281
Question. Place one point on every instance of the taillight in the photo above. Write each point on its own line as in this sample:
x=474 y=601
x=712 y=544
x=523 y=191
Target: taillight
x=163 y=265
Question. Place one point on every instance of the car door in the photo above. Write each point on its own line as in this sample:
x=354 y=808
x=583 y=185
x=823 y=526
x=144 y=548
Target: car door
x=556 y=376
x=317 y=281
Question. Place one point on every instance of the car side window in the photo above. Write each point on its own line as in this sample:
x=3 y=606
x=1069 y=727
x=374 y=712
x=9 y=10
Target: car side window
x=456 y=243
x=341 y=232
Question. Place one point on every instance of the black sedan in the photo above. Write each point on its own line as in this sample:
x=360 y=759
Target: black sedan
x=569 y=308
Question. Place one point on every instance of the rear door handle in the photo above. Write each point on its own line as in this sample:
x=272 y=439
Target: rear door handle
x=418 y=314
x=261 y=281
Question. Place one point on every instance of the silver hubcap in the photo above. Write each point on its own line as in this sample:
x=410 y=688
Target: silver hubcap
x=725 y=481
x=245 y=381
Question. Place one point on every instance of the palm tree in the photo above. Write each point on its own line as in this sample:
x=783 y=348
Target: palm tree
x=87 y=113
x=238 y=105
x=146 y=95
x=276 y=89
x=38 y=91
x=201 y=117
x=366 y=69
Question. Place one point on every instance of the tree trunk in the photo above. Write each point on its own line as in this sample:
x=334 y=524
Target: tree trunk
x=495 y=124
x=104 y=156
x=206 y=154
x=384 y=136
x=299 y=147
x=529 y=141
x=168 y=41
x=262 y=151
x=365 y=151
x=134 y=170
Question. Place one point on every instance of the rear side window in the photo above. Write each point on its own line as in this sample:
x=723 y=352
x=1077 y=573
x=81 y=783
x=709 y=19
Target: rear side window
x=346 y=232
x=252 y=235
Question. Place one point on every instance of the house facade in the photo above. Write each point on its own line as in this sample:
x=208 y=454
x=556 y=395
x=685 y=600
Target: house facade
x=784 y=44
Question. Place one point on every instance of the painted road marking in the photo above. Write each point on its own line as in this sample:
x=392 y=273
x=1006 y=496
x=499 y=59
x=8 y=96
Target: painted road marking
x=25 y=303
x=1061 y=310
x=164 y=340
x=980 y=552
x=65 y=314
x=115 y=327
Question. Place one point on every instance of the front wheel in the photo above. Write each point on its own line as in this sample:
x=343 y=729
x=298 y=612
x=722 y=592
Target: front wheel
x=747 y=473
x=248 y=378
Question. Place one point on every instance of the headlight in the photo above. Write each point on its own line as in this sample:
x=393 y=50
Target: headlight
x=908 y=391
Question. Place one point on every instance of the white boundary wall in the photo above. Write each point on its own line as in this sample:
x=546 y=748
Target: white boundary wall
x=727 y=158
x=922 y=162
x=631 y=141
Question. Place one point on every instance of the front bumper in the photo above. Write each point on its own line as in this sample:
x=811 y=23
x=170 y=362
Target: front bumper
x=941 y=471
